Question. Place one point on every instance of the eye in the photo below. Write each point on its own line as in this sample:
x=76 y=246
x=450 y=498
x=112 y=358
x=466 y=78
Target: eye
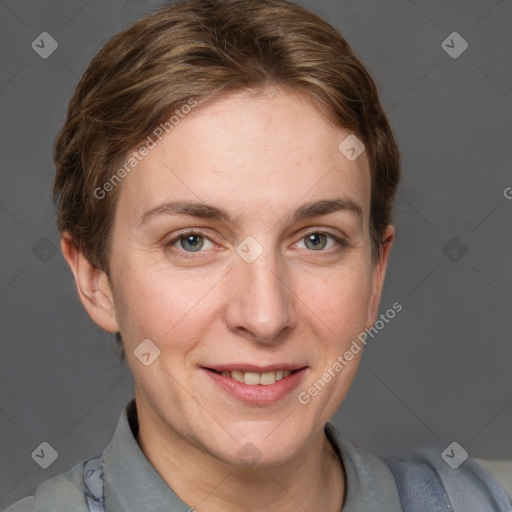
x=190 y=242
x=319 y=241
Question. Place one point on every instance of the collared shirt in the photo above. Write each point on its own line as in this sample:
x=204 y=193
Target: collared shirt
x=131 y=483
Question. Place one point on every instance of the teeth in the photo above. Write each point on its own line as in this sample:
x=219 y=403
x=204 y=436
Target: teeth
x=254 y=378
x=267 y=378
x=251 y=378
x=239 y=376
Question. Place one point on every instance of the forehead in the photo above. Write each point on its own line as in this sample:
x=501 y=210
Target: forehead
x=268 y=151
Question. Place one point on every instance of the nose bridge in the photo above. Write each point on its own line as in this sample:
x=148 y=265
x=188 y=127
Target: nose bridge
x=262 y=300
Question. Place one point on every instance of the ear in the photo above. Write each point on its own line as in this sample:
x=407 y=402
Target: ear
x=379 y=273
x=93 y=286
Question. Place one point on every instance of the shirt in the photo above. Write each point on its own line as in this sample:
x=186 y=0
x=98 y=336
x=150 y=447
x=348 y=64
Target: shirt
x=131 y=483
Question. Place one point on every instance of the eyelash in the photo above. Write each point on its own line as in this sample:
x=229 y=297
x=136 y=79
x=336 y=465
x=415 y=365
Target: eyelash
x=190 y=254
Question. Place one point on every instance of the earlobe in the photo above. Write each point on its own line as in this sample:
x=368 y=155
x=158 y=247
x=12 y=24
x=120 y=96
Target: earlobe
x=92 y=284
x=379 y=273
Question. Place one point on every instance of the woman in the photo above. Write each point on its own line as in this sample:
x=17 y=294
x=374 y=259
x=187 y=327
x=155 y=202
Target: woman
x=225 y=180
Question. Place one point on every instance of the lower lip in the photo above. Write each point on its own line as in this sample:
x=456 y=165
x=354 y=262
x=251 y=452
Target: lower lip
x=258 y=394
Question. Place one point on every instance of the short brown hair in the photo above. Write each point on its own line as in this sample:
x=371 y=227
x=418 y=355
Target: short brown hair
x=200 y=49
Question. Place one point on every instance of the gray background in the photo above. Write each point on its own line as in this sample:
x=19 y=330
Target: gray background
x=439 y=372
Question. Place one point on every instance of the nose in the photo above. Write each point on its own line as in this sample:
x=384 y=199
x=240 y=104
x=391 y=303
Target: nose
x=261 y=303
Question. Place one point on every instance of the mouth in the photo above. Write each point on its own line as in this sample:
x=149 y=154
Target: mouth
x=256 y=385
x=252 y=378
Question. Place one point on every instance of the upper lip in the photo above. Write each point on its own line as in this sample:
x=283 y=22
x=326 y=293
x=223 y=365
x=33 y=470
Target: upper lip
x=247 y=367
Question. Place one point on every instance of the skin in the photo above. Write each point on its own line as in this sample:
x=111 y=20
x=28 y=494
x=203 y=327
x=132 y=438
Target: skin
x=258 y=157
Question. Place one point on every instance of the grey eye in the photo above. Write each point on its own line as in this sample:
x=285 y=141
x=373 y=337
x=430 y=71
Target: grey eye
x=191 y=243
x=318 y=241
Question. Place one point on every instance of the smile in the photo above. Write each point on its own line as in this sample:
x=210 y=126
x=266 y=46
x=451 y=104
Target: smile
x=255 y=378
x=246 y=384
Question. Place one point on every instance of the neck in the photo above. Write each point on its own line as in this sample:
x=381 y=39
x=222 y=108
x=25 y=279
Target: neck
x=313 y=480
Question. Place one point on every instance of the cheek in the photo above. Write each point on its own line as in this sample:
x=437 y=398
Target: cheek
x=164 y=305
x=339 y=307
x=339 y=300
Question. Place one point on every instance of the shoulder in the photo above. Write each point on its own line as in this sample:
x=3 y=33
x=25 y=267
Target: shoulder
x=502 y=471
x=426 y=478
x=423 y=481
x=62 y=493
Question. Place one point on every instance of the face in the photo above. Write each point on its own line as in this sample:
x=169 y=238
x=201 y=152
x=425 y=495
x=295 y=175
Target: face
x=251 y=297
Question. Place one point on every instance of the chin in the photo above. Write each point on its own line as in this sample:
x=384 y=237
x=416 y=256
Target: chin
x=261 y=445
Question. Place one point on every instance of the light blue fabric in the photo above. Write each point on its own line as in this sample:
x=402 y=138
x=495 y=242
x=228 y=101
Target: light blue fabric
x=93 y=481
x=426 y=482
x=420 y=487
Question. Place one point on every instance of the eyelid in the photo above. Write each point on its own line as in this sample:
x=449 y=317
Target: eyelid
x=323 y=231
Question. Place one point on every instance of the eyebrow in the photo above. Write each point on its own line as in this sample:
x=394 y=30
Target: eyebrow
x=206 y=211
